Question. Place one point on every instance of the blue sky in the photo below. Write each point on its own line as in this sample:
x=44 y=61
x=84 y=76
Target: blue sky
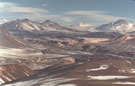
x=68 y=11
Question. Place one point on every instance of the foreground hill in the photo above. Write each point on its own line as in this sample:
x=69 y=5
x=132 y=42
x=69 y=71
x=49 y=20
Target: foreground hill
x=8 y=40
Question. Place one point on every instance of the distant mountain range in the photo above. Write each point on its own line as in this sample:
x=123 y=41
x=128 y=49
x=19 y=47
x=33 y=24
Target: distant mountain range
x=32 y=26
x=122 y=26
x=28 y=27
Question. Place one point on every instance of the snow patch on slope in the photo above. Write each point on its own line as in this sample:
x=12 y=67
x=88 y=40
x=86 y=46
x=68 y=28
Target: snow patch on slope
x=102 y=67
x=109 y=77
x=124 y=83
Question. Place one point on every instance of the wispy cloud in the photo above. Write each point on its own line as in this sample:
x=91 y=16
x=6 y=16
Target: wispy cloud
x=94 y=15
x=61 y=18
x=29 y=12
x=16 y=8
x=44 y=5
x=67 y=17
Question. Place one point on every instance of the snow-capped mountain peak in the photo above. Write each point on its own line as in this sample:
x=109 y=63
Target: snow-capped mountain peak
x=125 y=23
x=2 y=21
x=26 y=25
x=122 y=21
x=21 y=25
x=121 y=25
x=48 y=22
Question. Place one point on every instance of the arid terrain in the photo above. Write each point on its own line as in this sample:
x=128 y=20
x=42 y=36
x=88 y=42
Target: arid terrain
x=50 y=54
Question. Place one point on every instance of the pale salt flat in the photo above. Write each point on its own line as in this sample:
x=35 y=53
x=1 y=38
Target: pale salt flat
x=132 y=70
x=44 y=82
x=124 y=83
x=55 y=55
x=57 y=81
x=127 y=70
x=102 y=67
x=111 y=77
x=78 y=52
x=67 y=85
x=1 y=81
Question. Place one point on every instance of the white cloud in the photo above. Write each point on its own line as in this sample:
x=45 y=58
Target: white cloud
x=67 y=17
x=44 y=5
x=41 y=16
x=16 y=8
x=28 y=12
x=94 y=15
x=55 y=17
x=86 y=13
